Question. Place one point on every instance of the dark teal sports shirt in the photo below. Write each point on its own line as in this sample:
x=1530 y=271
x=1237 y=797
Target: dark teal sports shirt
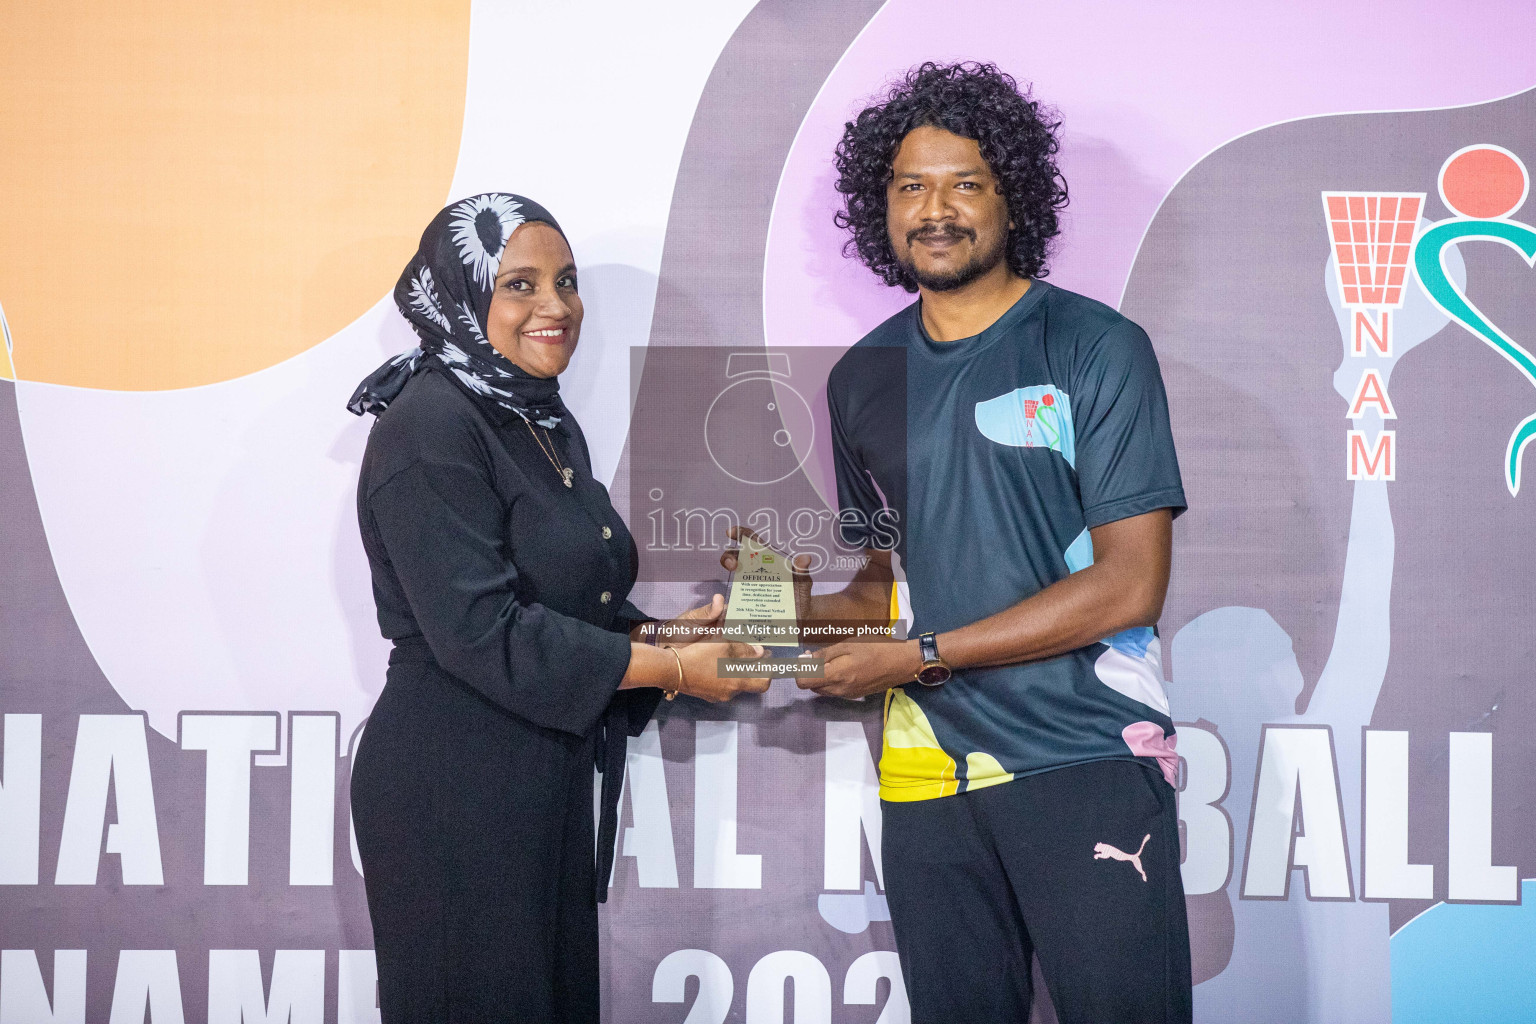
x=994 y=456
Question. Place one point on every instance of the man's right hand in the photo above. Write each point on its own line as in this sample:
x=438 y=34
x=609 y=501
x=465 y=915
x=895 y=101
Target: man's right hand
x=702 y=677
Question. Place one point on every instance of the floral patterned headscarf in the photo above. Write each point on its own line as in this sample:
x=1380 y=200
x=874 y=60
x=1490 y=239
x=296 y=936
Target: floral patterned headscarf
x=445 y=293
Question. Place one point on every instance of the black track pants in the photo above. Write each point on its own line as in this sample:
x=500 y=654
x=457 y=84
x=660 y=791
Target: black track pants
x=1079 y=866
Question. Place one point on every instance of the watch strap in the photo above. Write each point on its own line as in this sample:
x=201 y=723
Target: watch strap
x=928 y=647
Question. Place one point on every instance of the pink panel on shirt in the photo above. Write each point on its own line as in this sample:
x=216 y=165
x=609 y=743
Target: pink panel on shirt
x=1146 y=739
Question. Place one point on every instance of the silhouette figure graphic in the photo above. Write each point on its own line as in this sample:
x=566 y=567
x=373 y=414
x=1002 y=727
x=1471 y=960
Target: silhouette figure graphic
x=1483 y=185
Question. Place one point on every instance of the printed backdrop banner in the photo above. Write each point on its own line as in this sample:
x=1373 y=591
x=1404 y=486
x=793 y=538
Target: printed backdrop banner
x=1318 y=211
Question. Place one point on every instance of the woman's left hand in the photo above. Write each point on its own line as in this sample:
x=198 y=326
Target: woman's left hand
x=695 y=624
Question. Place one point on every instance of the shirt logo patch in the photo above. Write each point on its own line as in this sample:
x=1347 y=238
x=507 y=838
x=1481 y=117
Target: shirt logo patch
x=1039 y=416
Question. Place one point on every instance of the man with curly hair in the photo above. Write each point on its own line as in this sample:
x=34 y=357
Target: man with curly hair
x=1018 y=435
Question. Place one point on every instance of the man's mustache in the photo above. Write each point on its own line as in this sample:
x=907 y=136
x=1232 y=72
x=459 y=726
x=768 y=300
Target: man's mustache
x=952 y=233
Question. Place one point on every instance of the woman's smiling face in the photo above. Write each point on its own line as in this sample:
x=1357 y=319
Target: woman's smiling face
x=535 y=315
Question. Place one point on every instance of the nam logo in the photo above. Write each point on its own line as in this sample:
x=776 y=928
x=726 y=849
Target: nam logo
x=1039 y=416
x=1378 y=241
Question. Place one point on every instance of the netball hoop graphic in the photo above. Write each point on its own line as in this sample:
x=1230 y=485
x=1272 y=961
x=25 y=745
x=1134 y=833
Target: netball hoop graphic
x=1483 y=185
x=759 y=429
x=1372 y=235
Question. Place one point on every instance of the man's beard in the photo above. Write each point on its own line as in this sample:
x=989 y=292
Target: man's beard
x=977 y=266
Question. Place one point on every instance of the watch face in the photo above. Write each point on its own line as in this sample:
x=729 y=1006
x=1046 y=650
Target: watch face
x=936 y=674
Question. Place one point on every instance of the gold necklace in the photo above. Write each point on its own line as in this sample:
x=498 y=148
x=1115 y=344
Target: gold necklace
x=549 y=453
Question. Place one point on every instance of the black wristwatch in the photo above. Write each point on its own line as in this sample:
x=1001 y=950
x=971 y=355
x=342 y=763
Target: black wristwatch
x=934 y=671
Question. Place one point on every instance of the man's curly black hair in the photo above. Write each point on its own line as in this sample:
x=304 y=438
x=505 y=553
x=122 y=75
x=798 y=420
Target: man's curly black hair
x=1018 y=140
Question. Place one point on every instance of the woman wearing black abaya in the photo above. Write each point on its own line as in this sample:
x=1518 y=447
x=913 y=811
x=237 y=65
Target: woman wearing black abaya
x=500 y=571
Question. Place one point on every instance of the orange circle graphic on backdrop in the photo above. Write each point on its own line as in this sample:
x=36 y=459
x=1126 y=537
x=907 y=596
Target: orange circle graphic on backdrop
x=1484 y=182
x=199 y=190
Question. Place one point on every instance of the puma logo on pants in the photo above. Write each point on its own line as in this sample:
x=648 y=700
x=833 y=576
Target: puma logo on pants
x=1103 y=851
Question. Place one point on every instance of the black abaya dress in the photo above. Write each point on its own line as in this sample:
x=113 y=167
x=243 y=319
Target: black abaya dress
x=504 y=592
